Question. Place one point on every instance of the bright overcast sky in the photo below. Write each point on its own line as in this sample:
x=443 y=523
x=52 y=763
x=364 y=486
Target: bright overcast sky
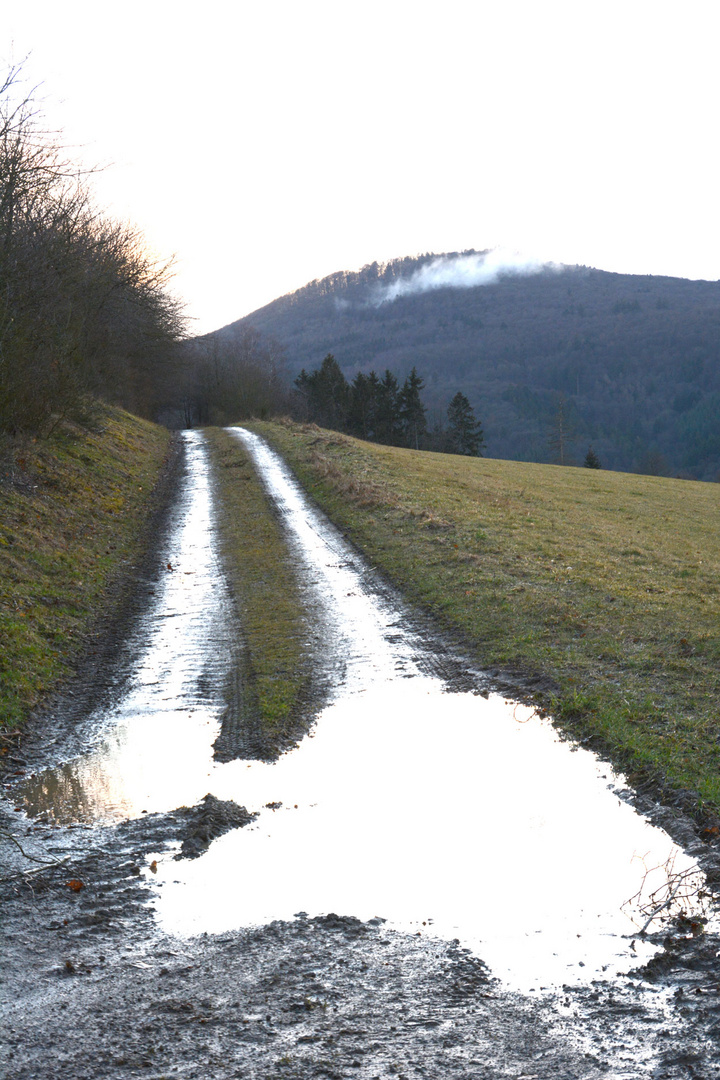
x=267 y=143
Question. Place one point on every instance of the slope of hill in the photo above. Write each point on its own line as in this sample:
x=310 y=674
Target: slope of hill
x=596 y=594
x=635 y=357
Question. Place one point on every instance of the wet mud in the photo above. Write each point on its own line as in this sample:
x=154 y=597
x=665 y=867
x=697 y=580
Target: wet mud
x=94 y=987
x=209 y=820
x=93 y=990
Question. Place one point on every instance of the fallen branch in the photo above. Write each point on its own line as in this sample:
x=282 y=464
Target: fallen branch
x=681 y=890
x=32 y=858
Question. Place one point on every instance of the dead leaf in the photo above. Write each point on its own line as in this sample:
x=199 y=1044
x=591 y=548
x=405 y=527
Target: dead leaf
x=75 y=885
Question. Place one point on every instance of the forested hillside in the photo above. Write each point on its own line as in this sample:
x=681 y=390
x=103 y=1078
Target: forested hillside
x=629 y=364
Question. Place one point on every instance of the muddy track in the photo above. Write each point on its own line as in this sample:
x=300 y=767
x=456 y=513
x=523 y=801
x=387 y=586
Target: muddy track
x=98 y=993
x=94 y=989
x=107 y=651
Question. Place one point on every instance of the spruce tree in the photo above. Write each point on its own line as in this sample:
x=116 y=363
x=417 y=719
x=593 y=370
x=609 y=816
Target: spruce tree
x=592 y=461
x=387 y=412
x=363 y=405
x=562 y=432
x=465 y=434
x=326 y=393
x=412 y=410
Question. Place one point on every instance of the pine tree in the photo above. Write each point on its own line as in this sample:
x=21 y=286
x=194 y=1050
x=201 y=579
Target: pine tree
x=592 y=461
x=363 y=405
x=465 y=434
x=326 y=393
x=387 y=412
x=412 y=410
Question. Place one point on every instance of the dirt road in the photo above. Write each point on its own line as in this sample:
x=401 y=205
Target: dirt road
x=157 y=934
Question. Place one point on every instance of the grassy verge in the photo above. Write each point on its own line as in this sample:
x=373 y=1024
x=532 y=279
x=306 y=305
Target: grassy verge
x=72 y=510
x=608 y=584
x=257 y=561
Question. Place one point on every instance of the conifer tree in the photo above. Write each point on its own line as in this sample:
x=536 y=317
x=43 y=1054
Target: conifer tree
x=465 y=433
x=326 y=393
x=592 y=461
x=387 y=413
x=363 y=405
x=412 y=410
x=562 y=432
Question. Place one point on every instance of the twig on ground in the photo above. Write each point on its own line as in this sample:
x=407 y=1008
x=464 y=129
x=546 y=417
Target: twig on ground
x=681 y=890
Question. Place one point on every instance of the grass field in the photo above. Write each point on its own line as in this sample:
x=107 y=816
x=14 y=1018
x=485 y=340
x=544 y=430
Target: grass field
x=72 y=511
x=606 y=583
x=261 y=575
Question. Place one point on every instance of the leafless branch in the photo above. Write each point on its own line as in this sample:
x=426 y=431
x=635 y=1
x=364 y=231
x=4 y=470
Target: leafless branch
x=682 y=893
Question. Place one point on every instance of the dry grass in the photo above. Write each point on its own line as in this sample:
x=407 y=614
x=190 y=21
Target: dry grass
x=607 y=583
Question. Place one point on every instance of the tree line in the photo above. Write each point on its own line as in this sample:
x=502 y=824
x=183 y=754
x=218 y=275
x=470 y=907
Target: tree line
x=381 y=410
x=637 y=357
x=86 y=313
x=84 y=310
x=225 y=378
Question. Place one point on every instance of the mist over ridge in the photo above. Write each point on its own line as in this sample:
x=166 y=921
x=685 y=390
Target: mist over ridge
x=635 y=358
x=466 y=271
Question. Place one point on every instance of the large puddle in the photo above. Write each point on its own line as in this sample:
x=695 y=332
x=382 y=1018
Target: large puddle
x=446 y=814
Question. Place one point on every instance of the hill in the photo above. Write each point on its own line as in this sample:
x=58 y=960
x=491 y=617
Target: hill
x=635 y=357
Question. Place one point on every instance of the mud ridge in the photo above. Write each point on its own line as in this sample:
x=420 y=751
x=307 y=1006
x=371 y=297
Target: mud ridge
x=212 y=818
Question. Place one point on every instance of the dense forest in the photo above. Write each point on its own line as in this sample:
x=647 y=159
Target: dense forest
x=381 y=410
x=628 y=364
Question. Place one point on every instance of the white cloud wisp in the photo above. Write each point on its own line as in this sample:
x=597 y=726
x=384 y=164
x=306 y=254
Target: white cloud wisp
x=461 y=272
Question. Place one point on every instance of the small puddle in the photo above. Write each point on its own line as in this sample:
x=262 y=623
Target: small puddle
x=447 y=814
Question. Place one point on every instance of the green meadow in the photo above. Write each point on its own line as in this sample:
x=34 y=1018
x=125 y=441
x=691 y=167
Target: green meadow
x=596 y=593
x=604 y=584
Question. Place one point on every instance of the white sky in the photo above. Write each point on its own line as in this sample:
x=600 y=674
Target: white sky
x=267 y=143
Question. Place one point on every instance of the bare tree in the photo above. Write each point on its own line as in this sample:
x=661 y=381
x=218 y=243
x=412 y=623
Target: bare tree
x=83 y=309
x=235 y=376
x=562 y=432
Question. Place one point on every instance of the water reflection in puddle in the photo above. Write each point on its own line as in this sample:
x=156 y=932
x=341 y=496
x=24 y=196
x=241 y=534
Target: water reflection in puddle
x=446 y=814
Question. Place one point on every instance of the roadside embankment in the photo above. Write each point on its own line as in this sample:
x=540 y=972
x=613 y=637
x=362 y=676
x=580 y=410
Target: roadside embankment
x=76 y=512
x=596 y=591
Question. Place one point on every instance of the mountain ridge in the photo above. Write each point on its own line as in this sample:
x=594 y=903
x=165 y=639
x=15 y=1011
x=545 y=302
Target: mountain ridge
x=636 y=358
